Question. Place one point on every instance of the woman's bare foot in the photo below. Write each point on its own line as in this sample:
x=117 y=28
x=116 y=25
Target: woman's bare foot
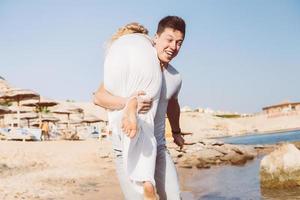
x=149 y=191
x=129 y=122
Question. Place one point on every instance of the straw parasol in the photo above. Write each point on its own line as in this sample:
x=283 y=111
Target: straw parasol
x=91 y=119
x=28 y=117
x=4 y=110
x=67 y=109
x=22 y=109
x=49 y=119
x=70 y=122
x=40 y=104
x=64 y=112
x=46 y=119
x=17 y=95
x=18 y=109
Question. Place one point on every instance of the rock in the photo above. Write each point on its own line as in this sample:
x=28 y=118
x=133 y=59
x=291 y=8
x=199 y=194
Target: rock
x=210 y=161
x=297 y=144
x=202 y=165
x=281 y=168
x=259 y=146
x=209 y=154
x=211 y=142
x=187 y=162
x=179 y=155
x=238 y=159
x=188 y=166
x=222 y=149
x=237 y=150
x=229 y=156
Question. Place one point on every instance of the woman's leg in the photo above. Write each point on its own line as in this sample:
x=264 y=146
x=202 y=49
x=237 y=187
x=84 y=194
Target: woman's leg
x=130 y=128
x=129 y=121
x=149 y=191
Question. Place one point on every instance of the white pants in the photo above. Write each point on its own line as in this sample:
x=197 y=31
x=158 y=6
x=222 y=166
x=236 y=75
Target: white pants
x=166 y=178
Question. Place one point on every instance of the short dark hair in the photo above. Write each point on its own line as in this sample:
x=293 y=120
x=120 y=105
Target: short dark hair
x=173 y=22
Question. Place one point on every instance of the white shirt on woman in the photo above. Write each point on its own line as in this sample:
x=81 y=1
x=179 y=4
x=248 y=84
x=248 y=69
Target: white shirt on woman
x=131 y=65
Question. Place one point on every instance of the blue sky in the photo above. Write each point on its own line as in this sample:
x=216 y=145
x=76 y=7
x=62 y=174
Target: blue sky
x=238 y=55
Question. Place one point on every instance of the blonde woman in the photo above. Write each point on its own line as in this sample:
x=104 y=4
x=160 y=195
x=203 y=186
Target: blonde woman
x=131 y=65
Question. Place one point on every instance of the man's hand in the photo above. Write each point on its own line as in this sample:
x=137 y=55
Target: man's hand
x=144 y=104
x=178 y=140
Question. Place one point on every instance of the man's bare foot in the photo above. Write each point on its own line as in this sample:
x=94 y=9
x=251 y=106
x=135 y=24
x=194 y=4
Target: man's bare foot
x=129 y=122
x=149 y=191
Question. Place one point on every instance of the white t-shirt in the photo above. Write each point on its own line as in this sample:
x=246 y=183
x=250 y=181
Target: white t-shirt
x=171 y=84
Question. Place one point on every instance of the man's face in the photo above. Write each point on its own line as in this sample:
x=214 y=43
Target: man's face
x=168 y=44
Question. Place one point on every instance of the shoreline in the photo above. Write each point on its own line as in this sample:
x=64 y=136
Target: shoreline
x=258 y=133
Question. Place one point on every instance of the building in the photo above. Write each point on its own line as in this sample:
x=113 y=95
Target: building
x=284 y=108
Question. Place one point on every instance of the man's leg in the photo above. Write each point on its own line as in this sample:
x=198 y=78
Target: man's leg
x=126 y=185
x=166 y=178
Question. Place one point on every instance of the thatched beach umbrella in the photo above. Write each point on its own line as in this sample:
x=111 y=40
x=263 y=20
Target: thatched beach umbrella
x=64 y=112
x=91 y=119
x=16 y=110
x=28 y=117
x=44 y=102
x=67 y=109
x=75 y=123
x=46 y=119
x=29 y=103
x=17 y=95
x=40 y=105
x=5 y=110
x=49 y=119
x=21 y=109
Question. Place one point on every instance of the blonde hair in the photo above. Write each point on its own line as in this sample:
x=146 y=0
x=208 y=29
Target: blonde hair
x=130 y=28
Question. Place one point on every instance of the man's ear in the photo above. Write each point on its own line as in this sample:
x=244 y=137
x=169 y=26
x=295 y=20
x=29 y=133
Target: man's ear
x=155 y=39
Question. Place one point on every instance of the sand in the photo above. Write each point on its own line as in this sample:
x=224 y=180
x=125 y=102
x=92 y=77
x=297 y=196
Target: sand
x=57 y=170
x=204 y=125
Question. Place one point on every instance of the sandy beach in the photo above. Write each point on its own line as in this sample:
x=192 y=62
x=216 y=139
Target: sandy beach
x=68 y=170
x=57 y=170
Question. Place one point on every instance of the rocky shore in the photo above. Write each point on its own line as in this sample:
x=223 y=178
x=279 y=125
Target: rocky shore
x=205 y=153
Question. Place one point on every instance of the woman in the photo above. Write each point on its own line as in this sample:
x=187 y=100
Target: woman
x=131 y=65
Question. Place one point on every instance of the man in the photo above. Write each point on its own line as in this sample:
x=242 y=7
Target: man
x=167 y=42
x=45 y=131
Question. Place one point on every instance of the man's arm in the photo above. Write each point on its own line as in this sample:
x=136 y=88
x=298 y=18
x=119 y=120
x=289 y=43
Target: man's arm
x=106 y=100
x=173 y=113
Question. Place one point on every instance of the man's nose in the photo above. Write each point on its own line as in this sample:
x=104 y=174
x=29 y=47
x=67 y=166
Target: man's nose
x=173 y=45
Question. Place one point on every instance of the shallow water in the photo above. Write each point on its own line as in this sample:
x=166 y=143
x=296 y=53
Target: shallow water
x=236 y=182
x=230 y=183
x=270 y=138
